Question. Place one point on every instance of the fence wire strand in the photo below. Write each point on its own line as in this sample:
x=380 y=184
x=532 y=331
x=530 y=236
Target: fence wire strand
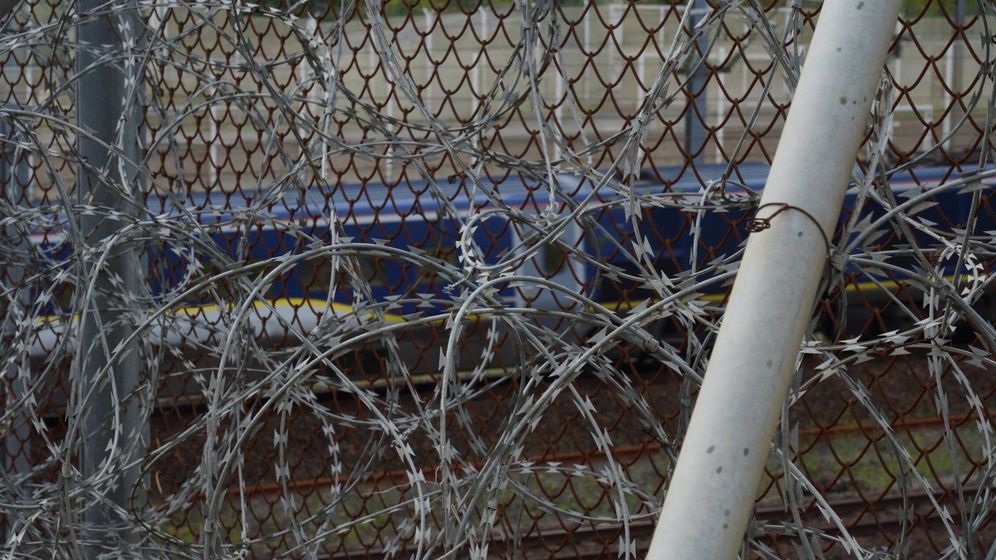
x=440 y=280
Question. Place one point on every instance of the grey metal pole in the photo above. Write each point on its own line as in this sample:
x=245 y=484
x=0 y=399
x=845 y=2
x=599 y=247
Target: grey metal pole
x=14 y=176
x=711 y=493
x=109 y=111
x=698 y=100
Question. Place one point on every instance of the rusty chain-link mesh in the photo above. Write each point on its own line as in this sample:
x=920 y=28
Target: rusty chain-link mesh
x=418 y=278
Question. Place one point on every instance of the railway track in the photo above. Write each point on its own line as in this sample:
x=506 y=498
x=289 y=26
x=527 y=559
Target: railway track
x=622 y=453
x=864 y=517
x=600 y=542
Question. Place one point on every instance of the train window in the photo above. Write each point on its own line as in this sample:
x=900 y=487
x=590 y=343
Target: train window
x=445 y=253
x=223 y=285
x=371 y=269
x=551 y=258
x=63 y=296
x=553 y=262
x=315 y=274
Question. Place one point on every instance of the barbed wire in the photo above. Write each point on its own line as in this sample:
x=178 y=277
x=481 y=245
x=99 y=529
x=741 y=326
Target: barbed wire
x=243 y=125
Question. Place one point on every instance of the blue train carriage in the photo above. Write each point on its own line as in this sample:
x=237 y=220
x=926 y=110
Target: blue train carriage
x=376 y=281
x=422 y=216
x=863 y=300
x=429 y=218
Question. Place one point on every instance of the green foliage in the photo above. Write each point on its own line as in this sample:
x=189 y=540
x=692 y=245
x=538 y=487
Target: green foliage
x=914 y=8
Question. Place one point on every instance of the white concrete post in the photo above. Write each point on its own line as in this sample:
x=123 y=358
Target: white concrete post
x=711 y=494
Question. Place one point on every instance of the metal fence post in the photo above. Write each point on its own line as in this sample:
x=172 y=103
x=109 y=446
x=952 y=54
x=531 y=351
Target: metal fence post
x=953 y=76
x=14 y=176
x=698 y=100
x=711 y=493
x=108 y=112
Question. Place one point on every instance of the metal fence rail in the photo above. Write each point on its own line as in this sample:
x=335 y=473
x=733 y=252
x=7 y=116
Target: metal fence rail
x=405 y=278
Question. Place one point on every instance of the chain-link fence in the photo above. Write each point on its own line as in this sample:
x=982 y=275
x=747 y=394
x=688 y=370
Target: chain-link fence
x=402 y=279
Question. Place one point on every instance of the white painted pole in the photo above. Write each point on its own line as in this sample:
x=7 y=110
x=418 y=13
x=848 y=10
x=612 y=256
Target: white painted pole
x=712 y=491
